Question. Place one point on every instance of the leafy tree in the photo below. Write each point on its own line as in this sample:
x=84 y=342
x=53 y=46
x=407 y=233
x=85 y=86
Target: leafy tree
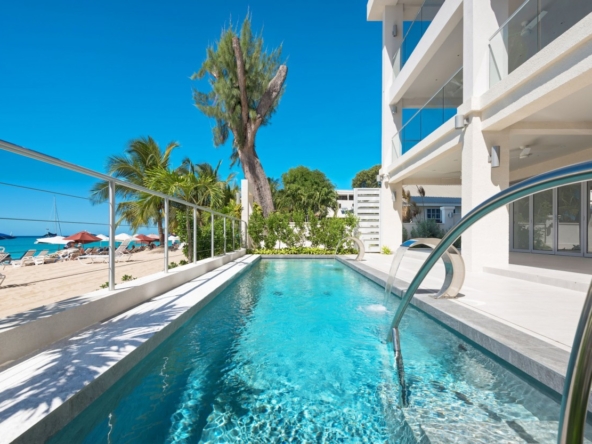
x=306 y=190
x=141 y=156
x=246 y=83
x=366 y=178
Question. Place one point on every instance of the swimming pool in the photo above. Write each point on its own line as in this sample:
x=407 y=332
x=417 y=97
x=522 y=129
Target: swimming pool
x=294 y=351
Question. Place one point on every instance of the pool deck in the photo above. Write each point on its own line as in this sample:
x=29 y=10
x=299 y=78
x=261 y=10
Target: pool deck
x=526 y=316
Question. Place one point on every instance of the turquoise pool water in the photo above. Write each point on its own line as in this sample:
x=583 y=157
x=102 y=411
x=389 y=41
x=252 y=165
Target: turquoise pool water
x=293 y=351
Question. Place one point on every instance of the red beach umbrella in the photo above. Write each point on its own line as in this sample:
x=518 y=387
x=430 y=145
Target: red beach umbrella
x=144 y=239
x=83 y=237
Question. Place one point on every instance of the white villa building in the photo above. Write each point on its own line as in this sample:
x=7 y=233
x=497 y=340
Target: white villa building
x=464 y=78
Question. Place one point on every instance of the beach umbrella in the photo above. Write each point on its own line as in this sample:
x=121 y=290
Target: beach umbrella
x=103 y=237
x=143 y=238
x=154 y=236
x=83 y=237
x=122 y=237
x=174 y=238
x=56 y=240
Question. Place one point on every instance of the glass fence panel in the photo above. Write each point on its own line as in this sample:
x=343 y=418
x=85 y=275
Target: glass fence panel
x=413 y=31
x=532 y=27
x=420 y=123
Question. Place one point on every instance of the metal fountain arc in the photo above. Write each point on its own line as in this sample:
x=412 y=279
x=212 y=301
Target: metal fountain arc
x=578 y=378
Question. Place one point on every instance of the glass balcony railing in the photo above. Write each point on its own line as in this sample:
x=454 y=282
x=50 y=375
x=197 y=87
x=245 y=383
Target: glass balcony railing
x=534 y=25
x=413 y=31
x=419 y=123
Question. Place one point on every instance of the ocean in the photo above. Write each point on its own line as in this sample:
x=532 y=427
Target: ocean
x=19 y=246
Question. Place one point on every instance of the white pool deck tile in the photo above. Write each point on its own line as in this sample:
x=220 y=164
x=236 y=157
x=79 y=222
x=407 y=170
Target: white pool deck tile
x=547 y=312
x=35 y=387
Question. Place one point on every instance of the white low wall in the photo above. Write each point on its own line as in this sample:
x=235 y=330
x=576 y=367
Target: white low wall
x=24 y=337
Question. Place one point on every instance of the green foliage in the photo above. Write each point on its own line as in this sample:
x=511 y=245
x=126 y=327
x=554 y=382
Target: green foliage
x=183 y=262
x=127 y=277
x=105 y=285
x=222 y=102
x=427 y=228
x=366 y=178
x=302 y=250
x=386 y=250
x=405 y=234
x=173 y=265
x=305 y=190
x=320 y=232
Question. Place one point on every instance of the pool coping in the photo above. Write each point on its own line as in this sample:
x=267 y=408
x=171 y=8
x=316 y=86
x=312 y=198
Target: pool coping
x=535 y=358
x=40 y=394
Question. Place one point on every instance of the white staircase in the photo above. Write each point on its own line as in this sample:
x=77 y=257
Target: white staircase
x=367 y=209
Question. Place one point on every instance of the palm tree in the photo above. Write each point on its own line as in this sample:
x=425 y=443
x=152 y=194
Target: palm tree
x=141 y=156
x=198 y=184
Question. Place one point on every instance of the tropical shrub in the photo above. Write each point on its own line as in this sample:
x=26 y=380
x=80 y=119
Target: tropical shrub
x=427 y=228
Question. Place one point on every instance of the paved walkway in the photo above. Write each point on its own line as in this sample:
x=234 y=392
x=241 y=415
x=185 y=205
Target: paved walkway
x=547 y=312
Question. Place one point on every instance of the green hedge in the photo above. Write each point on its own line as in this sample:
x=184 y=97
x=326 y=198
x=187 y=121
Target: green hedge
x=302 y=250
x=319 y=231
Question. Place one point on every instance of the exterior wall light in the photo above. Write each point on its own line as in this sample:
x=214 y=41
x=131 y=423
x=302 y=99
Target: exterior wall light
x=494 y=158
x=395 y=30
x=393 y=109
x=460 y=121
x=394 y=195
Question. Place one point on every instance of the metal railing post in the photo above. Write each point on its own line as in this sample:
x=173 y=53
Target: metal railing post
x=233 y=235
x=212 y=235
x=112 y=211
x=194 y=235
x=224 y=235
x=166 y=235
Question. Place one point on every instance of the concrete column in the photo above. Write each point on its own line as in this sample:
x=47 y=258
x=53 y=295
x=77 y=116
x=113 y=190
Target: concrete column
x=480 y=21
x=486 y=242
x=391 y=216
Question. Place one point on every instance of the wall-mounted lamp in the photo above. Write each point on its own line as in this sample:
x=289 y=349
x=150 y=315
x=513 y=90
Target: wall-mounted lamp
x=460 y=121
x=378 y=178
x=394 y=30
x=393 y=109
x=494 y=158
x=524 y=152
x=394 y=195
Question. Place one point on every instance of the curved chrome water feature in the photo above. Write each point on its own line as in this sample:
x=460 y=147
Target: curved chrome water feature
x=454 y=267
x=578 y=378
x=358 y=242
x=580 y=172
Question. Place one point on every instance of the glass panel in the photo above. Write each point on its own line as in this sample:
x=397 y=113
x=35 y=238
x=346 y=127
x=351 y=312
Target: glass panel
x=531 y=28
x=521 y=226
x=413 y=31
x=544 y=231
x=420 y=123
x=568 y=218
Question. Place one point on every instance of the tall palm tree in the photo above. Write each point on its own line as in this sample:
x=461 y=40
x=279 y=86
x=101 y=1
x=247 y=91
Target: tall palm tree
x=141 y=156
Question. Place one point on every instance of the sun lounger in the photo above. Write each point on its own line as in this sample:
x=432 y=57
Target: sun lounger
x=3 y=257
x=40 y=258
x=26 y=258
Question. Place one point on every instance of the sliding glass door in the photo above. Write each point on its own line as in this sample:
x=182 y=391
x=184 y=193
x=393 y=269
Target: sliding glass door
x=569 y=216
x=557 y=221
x=543 y=226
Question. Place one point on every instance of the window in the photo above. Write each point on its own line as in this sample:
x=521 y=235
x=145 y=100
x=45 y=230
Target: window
x=351 y=197
x=434 y=213
x=341 y=197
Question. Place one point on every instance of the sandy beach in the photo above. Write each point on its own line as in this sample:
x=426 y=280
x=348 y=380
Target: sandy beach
x=33 y=286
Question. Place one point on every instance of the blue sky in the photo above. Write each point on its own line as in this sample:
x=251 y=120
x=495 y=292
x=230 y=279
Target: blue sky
x=78 y=80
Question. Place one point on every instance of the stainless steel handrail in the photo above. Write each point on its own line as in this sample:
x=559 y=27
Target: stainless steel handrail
x=31 y=154
x=576 y=389
x=580 y=172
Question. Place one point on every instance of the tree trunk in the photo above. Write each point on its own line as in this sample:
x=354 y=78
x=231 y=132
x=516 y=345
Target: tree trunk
x=160 y=231
x=256 y=176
